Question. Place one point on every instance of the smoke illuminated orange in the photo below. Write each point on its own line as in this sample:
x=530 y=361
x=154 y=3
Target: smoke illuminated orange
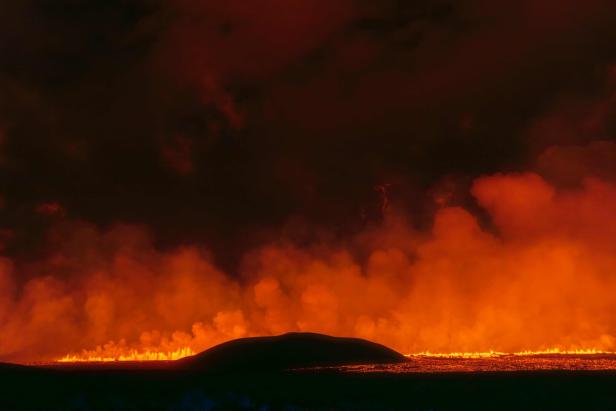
x=537 y=276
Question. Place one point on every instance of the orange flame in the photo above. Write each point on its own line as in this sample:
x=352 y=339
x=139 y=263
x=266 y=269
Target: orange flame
x=131 y=355
x=495 y=354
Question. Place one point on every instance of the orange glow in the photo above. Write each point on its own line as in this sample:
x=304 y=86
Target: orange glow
x=537 y=274
x=131 y=355
x=495 y=354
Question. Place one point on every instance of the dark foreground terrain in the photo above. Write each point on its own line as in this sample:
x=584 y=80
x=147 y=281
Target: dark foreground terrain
x=175 y=390
x=252 y=382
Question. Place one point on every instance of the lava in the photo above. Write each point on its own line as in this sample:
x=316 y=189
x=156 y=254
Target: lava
x=131 y=355
x=526 y=353
x=135 y=355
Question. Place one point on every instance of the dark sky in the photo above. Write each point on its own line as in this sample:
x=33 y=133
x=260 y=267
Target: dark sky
x=232 y=122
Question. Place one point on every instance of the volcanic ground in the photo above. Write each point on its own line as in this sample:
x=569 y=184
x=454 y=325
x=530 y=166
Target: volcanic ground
x=305 y=371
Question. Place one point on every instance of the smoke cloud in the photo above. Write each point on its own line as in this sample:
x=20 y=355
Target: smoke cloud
x=433 y=175
x=539 y=275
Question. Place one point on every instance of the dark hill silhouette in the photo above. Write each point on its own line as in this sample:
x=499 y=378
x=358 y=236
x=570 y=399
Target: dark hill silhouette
x=287 y=351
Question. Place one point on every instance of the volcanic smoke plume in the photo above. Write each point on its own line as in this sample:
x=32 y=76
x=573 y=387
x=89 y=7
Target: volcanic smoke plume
x=540 y=277
x=432 y=175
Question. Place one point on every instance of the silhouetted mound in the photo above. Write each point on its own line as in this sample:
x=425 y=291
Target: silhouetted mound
x=287 y=351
